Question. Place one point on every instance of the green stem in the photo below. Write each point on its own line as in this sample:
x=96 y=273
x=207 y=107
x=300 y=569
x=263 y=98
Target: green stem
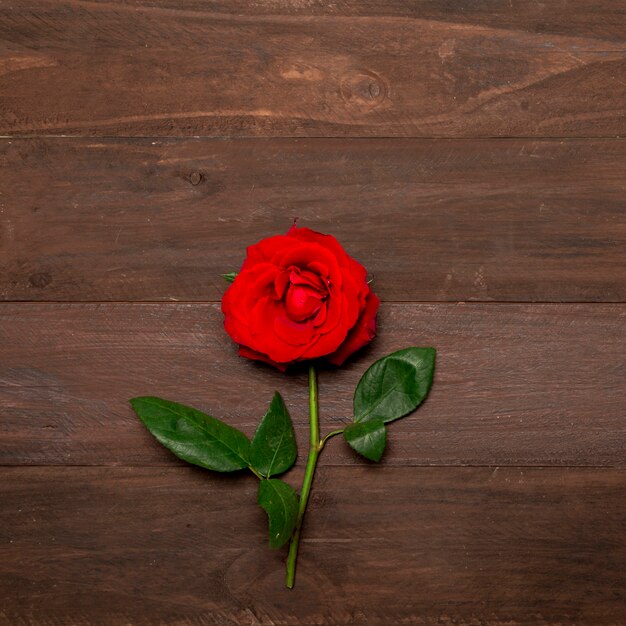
x=255 y=472
x=334 y=433
x=314 y=450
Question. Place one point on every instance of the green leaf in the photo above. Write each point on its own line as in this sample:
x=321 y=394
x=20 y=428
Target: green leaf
x=280 y=502
x=230 y=277
x=395 y=385
x=273 y=449
x=367 y=438
x=192 y=435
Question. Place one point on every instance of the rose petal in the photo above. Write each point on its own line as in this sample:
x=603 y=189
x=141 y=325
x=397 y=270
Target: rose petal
x=321 y=270
x=293 y=333
x=283 y=346
x=303 y=254
x=265 y=250
x=307 y=278
x=320 y=316
x=354 y=305
x=301 y=303
x=331 y=338
x=358 y=272
x=362 y=333
x=327 y=241
x=281 y=282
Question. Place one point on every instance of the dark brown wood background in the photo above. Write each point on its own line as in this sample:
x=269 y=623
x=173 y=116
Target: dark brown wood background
x=468 y=152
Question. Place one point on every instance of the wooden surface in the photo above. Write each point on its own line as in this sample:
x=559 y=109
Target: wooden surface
x=430 y=545
x=82 y=67
x=515 y=385
x=515 y=220
x=469 y=153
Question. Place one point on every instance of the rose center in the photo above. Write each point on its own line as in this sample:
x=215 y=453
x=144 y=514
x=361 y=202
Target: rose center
x=305 y=295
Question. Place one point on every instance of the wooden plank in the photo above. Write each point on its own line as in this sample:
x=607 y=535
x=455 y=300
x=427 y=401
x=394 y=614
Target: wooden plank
x=515 y=384
x=142 y=68
x=594 y=18
x=432 y=220
x=381 y=546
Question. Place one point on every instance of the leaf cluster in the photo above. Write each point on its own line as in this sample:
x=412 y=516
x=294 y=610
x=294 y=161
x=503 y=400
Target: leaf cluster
x=391 y=388
x=203 y=440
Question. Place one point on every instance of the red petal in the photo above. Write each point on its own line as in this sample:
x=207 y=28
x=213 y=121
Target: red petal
x=358 y=272
x=308 y=279
x=303 y=255
x=354 y=302
x=330 y=337
x=265 y=250
x=301 y=303
x=361 y=334
x=320 y=316
x=321 y=270
x=279 y=346
x=327 y=241
x=293 y=333
x=281 y=282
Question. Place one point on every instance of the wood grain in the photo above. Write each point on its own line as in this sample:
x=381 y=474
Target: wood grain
x=594 y=18
x=81 y=67
x=432 y=220
x=515 y=384
x=381 y=546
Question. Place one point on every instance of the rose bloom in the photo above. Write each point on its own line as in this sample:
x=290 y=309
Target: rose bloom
x=297 y=297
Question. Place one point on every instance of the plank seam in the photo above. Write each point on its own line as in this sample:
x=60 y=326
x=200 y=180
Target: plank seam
x=325 y=465
x=389 y=302
x=325 y=137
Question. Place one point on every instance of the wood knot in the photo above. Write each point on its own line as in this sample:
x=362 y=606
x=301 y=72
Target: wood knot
x=195 y=178
x=364 y=89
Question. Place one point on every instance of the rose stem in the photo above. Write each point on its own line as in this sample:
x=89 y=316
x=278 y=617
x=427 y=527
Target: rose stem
x=314 y=450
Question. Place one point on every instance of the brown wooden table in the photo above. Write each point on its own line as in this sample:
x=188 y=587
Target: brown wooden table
x=468 y=153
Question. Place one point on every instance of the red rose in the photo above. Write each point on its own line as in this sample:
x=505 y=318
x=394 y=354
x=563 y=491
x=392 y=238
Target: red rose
x=299 y=296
